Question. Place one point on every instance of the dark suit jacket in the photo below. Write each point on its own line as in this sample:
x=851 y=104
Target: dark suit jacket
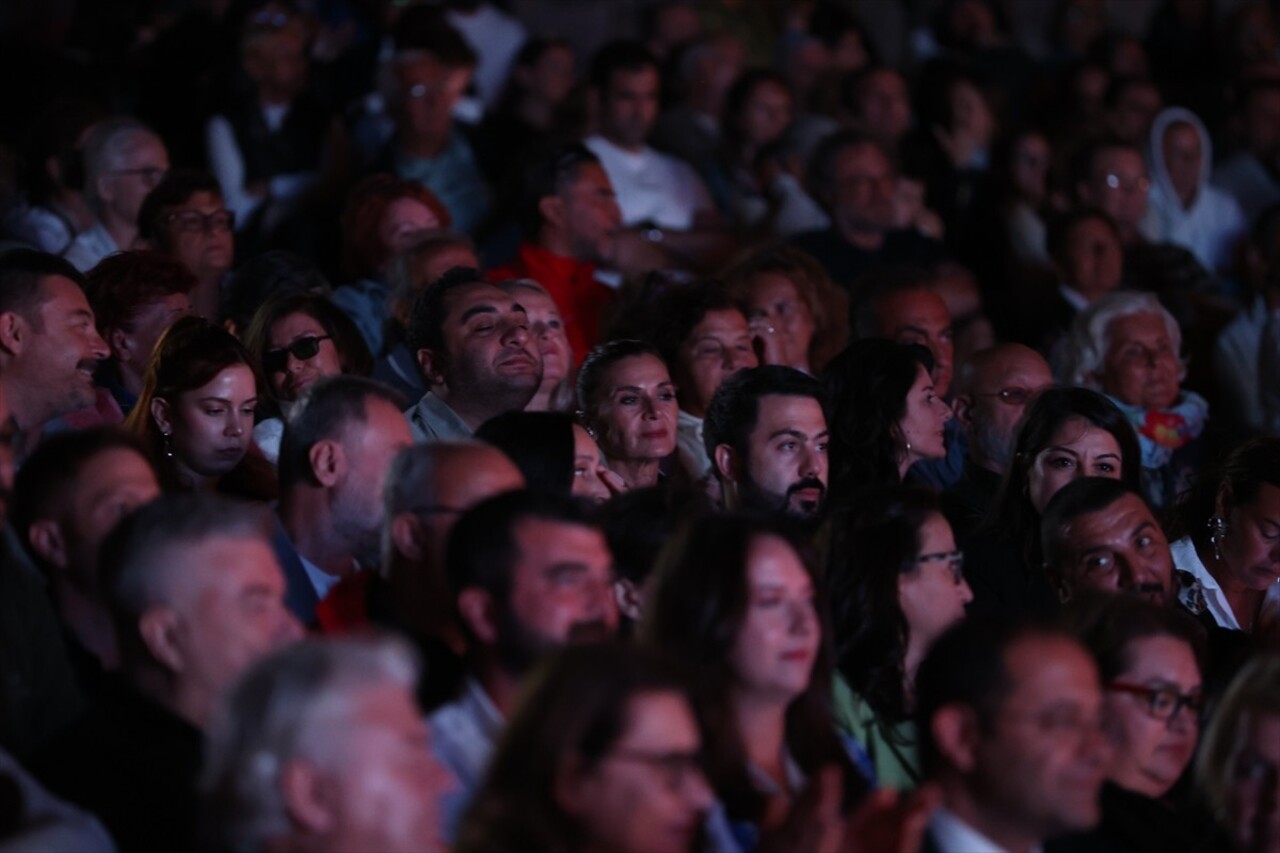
x=300 y=595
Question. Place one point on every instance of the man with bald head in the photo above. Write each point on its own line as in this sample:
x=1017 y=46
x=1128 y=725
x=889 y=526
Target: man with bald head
x=428 y=487
x=993 y=388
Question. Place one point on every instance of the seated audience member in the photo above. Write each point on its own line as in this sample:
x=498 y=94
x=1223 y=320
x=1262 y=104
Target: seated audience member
x=660 y=197
x=123 y=161
x=297 y=339
x=337 y=447
x=1088 y=262
x=1239 y=754
x=556 y=391
x=902 y=307
x=1021 y=173
x=1099 y=534
x=1128 y=347
x=628 y=402
x=71 y=493
x=886 y=414
x=736 y=602
x=554 y=453
x=896 y=583
x=474 y=349
x=638 y=525
x=853 y=177
x=785 y=290
x=135 y=296
x=530 y=573
x=1248 y=176
x=41 y=821
x=185 y=218
x=383 y=217
x=274 y=147
x=1226 y=557
x=604 y=752
x=1239 y=362
x=1067 y=433
x=276 y=273
x=322 y=747
x=766 y=434
x=702 y=67
x=570 y=220
x=878 y=101
x=1011 y=730
x=49 y=346
x=428 y=74
x=1183 y=208
x=993 y=388
x=196 y=597
x=742 y=173
x=703 y=337
x=409 y=273
x=38 y=695
x=195 y=413
x=1149 y=658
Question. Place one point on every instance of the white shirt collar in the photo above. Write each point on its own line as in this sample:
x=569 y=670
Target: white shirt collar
x=953 y=835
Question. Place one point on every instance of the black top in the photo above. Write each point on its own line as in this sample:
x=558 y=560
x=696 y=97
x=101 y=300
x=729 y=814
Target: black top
x=1131 y=823
x=966 y=503
x=845 y=262
x=1004 y=583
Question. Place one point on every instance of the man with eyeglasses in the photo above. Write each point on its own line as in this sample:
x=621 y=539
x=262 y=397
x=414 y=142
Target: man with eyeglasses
x=1009 y=716
x=123 y=161
x=530 y=573
x=185 y=217
x=993 y=388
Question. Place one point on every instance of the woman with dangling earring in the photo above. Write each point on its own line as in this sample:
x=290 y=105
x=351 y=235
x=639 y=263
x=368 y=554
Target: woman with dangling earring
x=1228 y=559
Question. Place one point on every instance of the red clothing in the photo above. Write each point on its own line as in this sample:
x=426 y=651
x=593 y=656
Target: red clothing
x=345 y=610
x=573 y=287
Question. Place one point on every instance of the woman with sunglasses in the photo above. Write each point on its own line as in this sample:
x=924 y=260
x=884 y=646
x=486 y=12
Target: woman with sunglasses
x=1148 y=658
x=195 y=413
x=897 y=583
x=297 y=339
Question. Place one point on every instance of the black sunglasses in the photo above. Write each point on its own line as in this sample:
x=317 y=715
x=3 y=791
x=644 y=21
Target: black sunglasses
x=303 y=349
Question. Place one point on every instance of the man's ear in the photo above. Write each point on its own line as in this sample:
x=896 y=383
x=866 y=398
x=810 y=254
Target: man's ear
x=1222 y=500
x=551 y=210
x=728 y=466
x=13 y=332
x=307 y=796
x=956 y=735
x=328 y=462
x=120 y=343
x=477 y=609
x=407 y=535
x=962 y=408
x=432 y=366
x=628 y=597
x=158 y=627
x=162 y=414
x=48 y=542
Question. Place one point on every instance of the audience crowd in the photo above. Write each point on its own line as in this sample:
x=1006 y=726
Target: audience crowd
x=640 y=426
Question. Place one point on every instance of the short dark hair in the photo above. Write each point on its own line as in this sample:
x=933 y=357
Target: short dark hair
x=735 y=407
x=268 y=274
x=820 y=174
x=324 y=412
x=1108 y=623
x=427 y=29
x=1079 y=497
x=47 y=475
x=1061 y=227
x=618 y=55
x=123 y=283
x=681 y=307
x=968 y=665
x=430 y=310
x=877 y=286
x=482 y=550
x=549 y=173
x=22 y=275
x=173 y=190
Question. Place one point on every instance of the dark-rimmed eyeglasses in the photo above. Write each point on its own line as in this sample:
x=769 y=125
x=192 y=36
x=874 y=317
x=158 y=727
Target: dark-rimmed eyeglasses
x=673 y=767
x=195 y=222
x=1163 y=703
x=303 y=349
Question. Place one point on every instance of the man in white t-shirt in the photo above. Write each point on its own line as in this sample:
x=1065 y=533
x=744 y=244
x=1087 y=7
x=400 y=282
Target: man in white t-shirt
x=662 y=199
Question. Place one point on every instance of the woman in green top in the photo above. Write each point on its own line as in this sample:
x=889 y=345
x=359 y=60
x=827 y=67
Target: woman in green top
x=896 y=584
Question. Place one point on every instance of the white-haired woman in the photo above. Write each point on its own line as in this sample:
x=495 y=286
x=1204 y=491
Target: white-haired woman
x=1127 y=346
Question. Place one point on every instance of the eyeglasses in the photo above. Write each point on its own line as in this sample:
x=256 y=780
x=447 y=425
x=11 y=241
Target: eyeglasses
x=150 y=175
x=1014 y=396
x=195 y=222
x=303 y=349
x=954 y=560
x=673 y=767
x=1163 y=703
x=1116 y=182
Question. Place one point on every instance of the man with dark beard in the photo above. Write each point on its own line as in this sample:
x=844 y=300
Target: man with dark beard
x=766 y=433
x=530 y=572
x=338 y=444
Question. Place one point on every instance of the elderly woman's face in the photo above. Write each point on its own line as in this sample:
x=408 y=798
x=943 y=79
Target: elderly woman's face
x=635 y=417
x=1253 y=816
x=1141 y=366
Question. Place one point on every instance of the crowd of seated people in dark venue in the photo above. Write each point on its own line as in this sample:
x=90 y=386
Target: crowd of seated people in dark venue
x=640 y=426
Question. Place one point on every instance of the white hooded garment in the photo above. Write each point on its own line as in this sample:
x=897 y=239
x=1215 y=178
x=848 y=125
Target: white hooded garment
x=1213 y=223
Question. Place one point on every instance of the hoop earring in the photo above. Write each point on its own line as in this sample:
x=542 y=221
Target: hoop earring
x=1217 y=532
